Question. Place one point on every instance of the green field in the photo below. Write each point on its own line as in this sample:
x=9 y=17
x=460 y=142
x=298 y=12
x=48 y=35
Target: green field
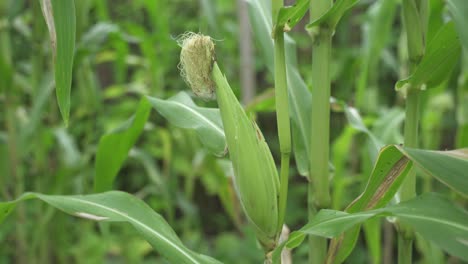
x=247 y=131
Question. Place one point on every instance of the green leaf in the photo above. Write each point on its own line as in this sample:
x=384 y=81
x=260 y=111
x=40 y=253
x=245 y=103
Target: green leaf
x=388 y=174
x=415 y=29
x=117 y=206
x=276 y=256
x=392 y=166
x=300 y=103
x=113 y=147
x=70 y=153
x=333 y=15
x=61 y=22
x=449 y=167
x=289 y=16
x=260 y=20
x=434 y=217
x=441 y=56
x=182 y=112
x=459 y=10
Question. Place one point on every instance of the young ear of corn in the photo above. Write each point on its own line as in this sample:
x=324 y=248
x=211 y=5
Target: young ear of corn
x=256 y=177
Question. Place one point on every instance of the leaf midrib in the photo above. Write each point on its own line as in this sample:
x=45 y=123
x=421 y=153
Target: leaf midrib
x=364 y=215
x=217 y=128
x=133 y=220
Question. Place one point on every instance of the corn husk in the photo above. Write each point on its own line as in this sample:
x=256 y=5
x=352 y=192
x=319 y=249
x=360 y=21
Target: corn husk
x=256 y=176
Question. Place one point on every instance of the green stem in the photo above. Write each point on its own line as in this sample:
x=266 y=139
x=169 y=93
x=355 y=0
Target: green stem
x=412 y=118
x=408 y=188
x=283 y=195
x=415 y=14
x=282 y=116
x=320 y=127
x=317 y=245
x=318 y=191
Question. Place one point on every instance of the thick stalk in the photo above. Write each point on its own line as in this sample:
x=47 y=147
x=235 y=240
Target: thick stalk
x=317 y=245
x=319 y=173
x=415 y=22
x=318 y=191
x=408 y=188
x=282 y=114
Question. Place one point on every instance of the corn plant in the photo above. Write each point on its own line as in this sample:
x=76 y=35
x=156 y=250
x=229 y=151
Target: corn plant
x=432 y=50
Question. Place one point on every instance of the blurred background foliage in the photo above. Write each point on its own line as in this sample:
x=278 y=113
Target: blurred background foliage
x=126 y=49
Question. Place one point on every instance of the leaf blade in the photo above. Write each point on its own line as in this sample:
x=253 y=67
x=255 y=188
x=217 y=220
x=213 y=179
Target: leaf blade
x=392 y=166
x=446 y=166
x=431 y=215
x=114 y=147
x=441 y=56
x=116 y=206
x=333 y=15
x=182 y=112
x=459 y=10
x=65 y=27
x=289 y=16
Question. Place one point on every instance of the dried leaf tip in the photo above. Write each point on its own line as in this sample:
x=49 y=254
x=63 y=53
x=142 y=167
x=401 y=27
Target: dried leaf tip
x=196 y=62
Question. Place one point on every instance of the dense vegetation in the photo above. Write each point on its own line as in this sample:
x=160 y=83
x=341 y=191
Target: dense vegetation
x=346 y=100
